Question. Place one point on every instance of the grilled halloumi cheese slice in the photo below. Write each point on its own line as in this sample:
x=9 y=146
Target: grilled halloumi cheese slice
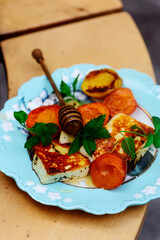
x=122 y=122
x=53 y=164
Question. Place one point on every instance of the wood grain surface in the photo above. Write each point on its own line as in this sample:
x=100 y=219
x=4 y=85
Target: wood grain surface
x=113 y=40
x=23 y=218
x=20 y=16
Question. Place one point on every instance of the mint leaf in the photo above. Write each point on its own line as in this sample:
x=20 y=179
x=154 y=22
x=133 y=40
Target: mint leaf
x=135 y=127
x=156 y=123
x=89 y=144
x=65 y=89
x=44 y=131
x=102 y=133
x=38 y=128
x=138 y=128
x=46 y=139
x=92 y=130
x=128 y=146
x=75 y=83
x=32 y=142
x=149 y=140
x=76 y=144
x=51 y=128
x=20 y=116
x=94 y=124
x=156 y=139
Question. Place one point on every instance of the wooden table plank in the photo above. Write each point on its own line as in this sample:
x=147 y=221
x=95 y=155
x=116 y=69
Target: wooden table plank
x=113 y=40
x=23 y=218
x=19 y=16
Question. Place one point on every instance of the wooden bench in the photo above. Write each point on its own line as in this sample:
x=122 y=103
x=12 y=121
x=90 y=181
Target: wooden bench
x=19 y=16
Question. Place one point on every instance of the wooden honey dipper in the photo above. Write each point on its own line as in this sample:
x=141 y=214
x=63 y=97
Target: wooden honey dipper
x=70 y=118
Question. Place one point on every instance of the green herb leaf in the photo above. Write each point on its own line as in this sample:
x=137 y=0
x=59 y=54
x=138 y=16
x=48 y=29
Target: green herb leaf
x=46 y=139
x=43 y=131
x=20 y=116
x=138 y=128
x=156 y=139
x=94 y=124
x=135 y=127
x=92 y=130
x=38 y=129
x=51 y=128
x=75 y=83
x=149 y=140
x=152 y=138
x=156 y=123
x=102 y=133
x=65 y=89
x=76 y=144
x=32 y=142
x=128 y=146
x=89 y=144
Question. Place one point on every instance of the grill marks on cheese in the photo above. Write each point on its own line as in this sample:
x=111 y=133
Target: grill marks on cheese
x=122 y=122
x=103 y=146
x=55 y=158
x=52 y=163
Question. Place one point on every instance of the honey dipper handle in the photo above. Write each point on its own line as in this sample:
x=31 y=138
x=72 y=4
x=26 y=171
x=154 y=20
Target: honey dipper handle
x=37 y=54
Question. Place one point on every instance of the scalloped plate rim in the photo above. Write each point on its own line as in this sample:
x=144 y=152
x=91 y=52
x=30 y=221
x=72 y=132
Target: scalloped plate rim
x=19 y=183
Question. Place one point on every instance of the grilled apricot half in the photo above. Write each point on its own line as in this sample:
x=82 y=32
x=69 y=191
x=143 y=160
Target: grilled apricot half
x=108 y=171
x=101 y=82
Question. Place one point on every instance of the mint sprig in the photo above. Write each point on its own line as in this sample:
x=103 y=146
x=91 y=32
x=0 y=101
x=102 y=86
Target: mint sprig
x=128 y=145
x=43 y=132
x=86 y=137
x=135 y=127
x=66 y=90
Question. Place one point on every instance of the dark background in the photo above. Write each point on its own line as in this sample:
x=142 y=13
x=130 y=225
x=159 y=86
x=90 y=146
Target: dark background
x=146 y=14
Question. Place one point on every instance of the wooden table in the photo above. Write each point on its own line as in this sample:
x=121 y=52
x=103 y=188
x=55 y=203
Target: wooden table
x=112 y=40
x=19 y=16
